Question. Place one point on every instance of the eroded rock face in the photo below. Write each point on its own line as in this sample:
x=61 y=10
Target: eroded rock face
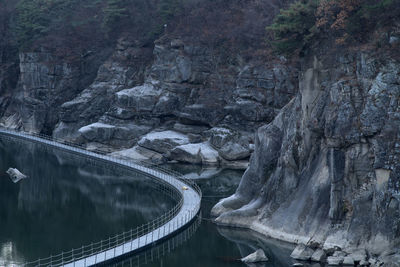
x=302 y=252
x=326 y=168
x=44 y=84
x=181 y=91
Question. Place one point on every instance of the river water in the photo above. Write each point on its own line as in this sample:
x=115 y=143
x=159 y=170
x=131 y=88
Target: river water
x=68 y=201
x=209 y=245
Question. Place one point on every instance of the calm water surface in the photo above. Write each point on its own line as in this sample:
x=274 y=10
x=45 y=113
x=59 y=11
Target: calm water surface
x=209 y=245
x=67 y=201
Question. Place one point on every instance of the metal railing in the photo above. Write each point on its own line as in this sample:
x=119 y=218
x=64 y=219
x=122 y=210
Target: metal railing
x=134 y=239
x=161 y=250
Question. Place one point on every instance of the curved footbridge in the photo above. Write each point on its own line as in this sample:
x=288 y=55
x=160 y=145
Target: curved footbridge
x=184 y=212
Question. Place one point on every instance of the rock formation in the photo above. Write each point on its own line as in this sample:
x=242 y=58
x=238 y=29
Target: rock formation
x=16 y=175
x=326 y=169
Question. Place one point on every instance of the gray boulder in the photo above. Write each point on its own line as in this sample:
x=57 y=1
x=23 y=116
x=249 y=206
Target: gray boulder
x=141 y=99
x=189 y=153
x=163 y=142
x=348 y=260
x=196 y=153
x=97 y=131
x=220 y=136
x=234 y=151
x=319 y=255
x=333 y=260
x=16 y=175
x=302 y=252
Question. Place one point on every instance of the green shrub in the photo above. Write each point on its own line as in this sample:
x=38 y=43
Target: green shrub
x=294 y=28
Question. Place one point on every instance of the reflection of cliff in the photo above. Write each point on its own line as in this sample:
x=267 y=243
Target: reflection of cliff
x=249 y=241
x=162 y=250
x=9 y=253
x=75 y=201
x=108 y=187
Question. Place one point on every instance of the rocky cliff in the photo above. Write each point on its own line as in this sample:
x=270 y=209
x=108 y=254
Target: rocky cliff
x=188 y=107
x=326 y=170
x=196 y=95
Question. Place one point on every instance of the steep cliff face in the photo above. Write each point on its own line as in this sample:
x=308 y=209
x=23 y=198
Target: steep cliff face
x=187 y=89
x=326 y=169
x=44 y=83
x=204 y=81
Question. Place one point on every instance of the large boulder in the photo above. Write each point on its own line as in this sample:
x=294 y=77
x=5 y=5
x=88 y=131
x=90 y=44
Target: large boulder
x=234 y=151
x=189 y=153
x=141 y=99
x=335 y=260
x=114 y=133
x=209 y=156
x=97 y=131
x=220 y=136
x=196 y=153
x=138 y=153
x=163 y=142
x=318 y=256
x=302 y=252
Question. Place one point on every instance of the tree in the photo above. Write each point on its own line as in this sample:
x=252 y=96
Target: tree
x=294 y=28
x=333 y=16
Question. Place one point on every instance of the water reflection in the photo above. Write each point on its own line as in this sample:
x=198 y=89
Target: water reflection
x=249 y=241
x=159 y=251
x=212 y=246
x=8 y=253
x=67 y=201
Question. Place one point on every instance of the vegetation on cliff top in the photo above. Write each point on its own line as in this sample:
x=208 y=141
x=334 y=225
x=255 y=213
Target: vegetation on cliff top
x=74 y=26
x=345 y=21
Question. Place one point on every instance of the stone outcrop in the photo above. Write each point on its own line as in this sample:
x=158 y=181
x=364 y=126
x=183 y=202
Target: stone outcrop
x=163 y=142
x=302 y=252
x=16 y=175
x=182 y=92
x=45 y=82
x=326 y=169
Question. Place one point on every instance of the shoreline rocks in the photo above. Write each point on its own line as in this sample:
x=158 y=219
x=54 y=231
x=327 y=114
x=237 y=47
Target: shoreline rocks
x=255 y=257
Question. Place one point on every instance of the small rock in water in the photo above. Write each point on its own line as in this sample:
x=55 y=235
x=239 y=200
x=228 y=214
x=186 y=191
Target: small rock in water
x=298 y=264
x=257 y=256
x=16 y=175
